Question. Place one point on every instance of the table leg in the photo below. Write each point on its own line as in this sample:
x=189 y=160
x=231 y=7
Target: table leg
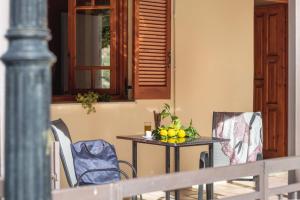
x=167 y=168
x=177 y=169
x=210 y=187
x=134 y=162
x=134 y=158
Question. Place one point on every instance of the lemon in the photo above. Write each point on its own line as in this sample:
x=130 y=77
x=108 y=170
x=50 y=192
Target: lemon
x=171 y=132
x=164 y=140
x=163 y=132
x=181 y=133
x=172 y=140
x=180 y=140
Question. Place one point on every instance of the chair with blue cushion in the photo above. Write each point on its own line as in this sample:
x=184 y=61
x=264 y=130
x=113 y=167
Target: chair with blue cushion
x=78 y=170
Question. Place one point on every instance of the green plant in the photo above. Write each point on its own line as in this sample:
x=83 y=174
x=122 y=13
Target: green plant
x=105 y=97
x=87 y=101
x=166 y=112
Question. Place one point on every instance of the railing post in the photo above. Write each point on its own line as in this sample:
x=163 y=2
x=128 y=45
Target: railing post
x=263 y=183
x=28 y=93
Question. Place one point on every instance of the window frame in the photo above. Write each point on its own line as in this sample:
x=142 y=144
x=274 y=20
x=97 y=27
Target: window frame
x=119 y=48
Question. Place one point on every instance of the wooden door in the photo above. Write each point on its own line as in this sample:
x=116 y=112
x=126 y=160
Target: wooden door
x=270 y=76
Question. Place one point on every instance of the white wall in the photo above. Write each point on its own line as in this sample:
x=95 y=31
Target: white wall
x=4 y=13
x=214 y=62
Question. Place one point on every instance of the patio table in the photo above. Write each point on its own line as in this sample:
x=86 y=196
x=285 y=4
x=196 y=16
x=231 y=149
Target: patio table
x=199 y=141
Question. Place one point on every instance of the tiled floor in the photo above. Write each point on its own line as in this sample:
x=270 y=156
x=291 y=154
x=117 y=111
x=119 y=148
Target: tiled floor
x=224 y=189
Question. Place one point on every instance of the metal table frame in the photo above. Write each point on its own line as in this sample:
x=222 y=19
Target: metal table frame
x=139 y=139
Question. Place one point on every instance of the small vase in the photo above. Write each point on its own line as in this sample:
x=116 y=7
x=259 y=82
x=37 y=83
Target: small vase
x=157 y=119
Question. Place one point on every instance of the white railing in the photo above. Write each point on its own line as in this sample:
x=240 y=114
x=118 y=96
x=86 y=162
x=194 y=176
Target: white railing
x=128 y=188
x=132 y=187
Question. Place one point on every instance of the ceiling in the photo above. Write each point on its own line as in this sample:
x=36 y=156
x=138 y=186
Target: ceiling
x=265 y=2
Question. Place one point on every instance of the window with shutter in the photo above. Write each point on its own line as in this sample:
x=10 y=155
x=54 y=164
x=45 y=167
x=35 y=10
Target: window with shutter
x=92 y=47
x=152 y=49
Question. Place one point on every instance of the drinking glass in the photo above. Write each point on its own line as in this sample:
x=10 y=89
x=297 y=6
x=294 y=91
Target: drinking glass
x=147 y=126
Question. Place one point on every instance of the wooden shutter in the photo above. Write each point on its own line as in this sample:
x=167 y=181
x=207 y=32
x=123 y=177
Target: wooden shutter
x=152 y=55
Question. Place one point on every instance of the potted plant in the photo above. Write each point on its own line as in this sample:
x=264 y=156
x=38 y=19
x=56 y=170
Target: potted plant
x=89 y=99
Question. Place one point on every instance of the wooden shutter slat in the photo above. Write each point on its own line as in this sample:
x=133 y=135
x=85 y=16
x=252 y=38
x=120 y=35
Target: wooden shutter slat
x=158 y=1
x=151 y=84
x=151 y=54
x=153 y=36
x=153 y=44
x=145 y=28
x=152 y=76
x=152 y=15
x=152 y=25
x=151 y=62
x=152 y=72
x=152 y=81
x=150 y=66
x=145 y=39
x=153 y=58
x=152 y=33
x=143 y=21
x=152 y=49
x=153 y=18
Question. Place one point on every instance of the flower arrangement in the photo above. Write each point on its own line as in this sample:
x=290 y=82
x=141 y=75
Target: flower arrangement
x=175 y=132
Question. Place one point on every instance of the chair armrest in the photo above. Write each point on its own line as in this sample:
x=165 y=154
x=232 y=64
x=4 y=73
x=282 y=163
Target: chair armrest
x=259 y=156
x=203 y=162
x=130 y=165
x=133 y=170
x=100 y=170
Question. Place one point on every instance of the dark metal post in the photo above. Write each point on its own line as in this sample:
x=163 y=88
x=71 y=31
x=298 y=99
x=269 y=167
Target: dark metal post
x=28 y=95
x=168 y=158
x=134 y=162
x=134 y=158
x=210 y=187
x=177 y=168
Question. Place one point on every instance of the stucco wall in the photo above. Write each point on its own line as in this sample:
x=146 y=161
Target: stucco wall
x=214 y=61
x=213 y=72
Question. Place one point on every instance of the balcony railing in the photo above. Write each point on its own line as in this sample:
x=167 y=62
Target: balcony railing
x=132 y=187
x=128 y=188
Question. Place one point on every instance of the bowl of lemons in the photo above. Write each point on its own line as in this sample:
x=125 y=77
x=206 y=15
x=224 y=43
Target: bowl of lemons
x=174 y=132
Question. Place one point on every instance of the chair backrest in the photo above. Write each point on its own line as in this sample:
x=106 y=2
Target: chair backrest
x=62 y=135
x=244 y=129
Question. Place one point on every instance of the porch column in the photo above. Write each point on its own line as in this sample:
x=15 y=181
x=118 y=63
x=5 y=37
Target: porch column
x=3 y=47
x=28 y=93
x=294 y=87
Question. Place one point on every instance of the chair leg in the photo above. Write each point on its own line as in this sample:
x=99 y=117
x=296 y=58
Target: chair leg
x=259 y=156
x=202 y=164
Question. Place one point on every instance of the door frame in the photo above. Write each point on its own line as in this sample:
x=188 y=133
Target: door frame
x=294 y=85
x=294 y=79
